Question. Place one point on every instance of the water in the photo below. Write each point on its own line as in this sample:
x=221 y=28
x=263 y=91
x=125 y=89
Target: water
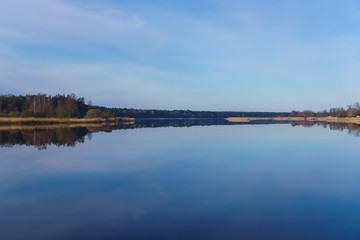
x=263 y=181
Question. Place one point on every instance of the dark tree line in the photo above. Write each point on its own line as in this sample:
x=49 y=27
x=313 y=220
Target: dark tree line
x=41 y=105
x=152 y=113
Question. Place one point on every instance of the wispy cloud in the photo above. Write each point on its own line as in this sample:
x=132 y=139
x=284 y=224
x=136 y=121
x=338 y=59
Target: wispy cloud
x=59 y=22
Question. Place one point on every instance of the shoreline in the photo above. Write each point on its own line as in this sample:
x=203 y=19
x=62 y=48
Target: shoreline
x=6 y=122
x=34 y=127
x=49 y=121
x=249 y=119
x=355 y=120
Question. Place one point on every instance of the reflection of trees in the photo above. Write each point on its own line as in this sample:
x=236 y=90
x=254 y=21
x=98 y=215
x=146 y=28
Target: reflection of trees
x=70 y=136
x=304 y=124
x=352 y=128
x=41 y=138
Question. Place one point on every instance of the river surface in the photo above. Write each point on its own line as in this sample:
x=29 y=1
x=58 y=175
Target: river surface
x=247 y=181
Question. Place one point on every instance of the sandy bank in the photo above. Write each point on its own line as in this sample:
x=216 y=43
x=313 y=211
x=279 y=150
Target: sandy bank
x=245 y=119
x=355 y=120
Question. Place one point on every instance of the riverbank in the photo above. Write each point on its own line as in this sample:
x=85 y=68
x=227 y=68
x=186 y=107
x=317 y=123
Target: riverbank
x=246 y=119
x=355 y=120
x=32 y=127
x=35 y=121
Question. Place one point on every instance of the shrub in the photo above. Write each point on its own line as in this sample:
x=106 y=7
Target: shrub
x=107 y=114
x=341 y=114
x=14 y=114
x=352 y=112
x=27 y=113
x=38 y=114
x=93 y=113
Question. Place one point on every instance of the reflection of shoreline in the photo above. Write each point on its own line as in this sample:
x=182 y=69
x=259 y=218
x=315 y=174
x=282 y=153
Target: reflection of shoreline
x=55 y=126
x=334 y=120
x=334 y=123
x=41 y=136
x=249 y=119
x=352 y=128
x=68 y=135
x=8 y=120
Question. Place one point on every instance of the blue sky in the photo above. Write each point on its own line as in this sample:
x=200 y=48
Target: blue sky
x=199 y=55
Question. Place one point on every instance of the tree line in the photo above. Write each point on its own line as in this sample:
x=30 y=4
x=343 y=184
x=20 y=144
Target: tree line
x=154 y=113
x=351 y=111
x=42 y=105
x=69 y=106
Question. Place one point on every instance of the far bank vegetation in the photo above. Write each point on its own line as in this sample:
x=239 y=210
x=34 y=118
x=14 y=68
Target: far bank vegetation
x=351 y=112
x=50 y=107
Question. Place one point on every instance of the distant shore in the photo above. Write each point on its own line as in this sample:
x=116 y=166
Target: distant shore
x=355 y=120
x=249 y=119
x=32 y=120
x=6 y=121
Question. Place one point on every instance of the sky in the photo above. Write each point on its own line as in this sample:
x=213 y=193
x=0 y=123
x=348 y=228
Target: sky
x=252 y=55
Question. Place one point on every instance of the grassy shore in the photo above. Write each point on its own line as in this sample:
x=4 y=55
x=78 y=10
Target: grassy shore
x=246 y=119
x=9 y=120
x=17 y=127
x=355 y=120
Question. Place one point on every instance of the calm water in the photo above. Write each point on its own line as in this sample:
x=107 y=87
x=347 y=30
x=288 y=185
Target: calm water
x=271 y=181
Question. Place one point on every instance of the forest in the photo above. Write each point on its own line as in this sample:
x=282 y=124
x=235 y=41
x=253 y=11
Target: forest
x=69 y=106
x=41 y=105
x=153 y=113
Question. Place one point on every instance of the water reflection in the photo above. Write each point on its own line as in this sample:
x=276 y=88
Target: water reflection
x=70 y=135
x=41 y=137
x=352 y=128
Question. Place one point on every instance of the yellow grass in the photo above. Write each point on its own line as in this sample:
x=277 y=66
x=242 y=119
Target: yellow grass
x=335 y=119
x=247 y=119
x=355 y=120
x=53 y=126
x=288 y=119
x=244 y=119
